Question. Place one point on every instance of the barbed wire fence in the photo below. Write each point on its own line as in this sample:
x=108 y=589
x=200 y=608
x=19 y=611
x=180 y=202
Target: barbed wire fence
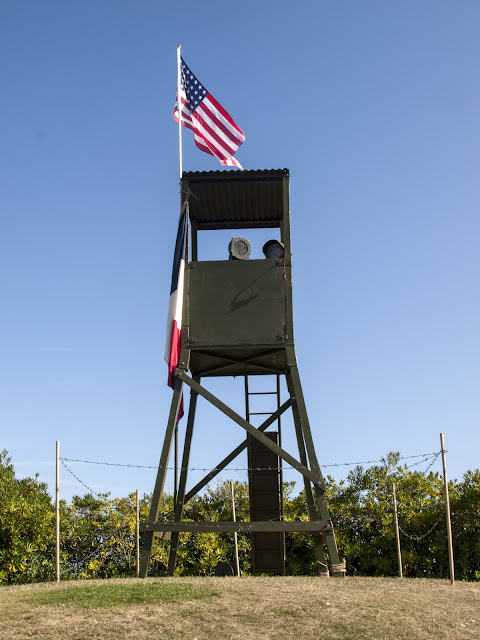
x=424 y=457
x=414 y=462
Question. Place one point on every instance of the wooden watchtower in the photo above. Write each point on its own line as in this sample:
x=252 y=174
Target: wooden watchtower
x=238 y=321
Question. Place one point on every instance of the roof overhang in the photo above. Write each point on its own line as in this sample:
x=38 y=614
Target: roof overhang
x=236 y=199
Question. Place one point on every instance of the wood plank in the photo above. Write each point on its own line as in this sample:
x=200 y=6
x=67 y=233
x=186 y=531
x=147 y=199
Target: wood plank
x=239 y=527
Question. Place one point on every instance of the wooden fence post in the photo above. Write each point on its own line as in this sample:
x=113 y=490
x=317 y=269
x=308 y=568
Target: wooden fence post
x=447 y=512
x=235 y=538
x=137 y=535
x=57 y=513
x=397 y=533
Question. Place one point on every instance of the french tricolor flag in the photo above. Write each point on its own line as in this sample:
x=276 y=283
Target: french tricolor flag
x=174 y=321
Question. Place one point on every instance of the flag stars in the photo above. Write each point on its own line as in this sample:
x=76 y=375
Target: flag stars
x=194 y=90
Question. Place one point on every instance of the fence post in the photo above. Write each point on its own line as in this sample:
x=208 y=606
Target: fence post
x=57 y=513
x=447 y=512
x=397 y=533
x=137 y=534
x=235 y=538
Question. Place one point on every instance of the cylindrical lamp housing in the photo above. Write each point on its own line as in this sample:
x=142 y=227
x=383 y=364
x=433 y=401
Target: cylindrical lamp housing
x=239 y=249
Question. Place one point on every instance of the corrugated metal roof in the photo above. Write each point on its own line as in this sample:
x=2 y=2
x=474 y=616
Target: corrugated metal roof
x=236 y=199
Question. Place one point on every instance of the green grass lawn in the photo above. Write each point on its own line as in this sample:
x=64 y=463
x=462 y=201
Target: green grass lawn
x=247 y=608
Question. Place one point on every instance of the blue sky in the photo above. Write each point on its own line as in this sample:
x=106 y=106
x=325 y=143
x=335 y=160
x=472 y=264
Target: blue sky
x=372 y=105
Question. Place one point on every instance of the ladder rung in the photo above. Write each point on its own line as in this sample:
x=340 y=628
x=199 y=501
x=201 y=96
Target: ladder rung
x=260 y=413
x=262 y=393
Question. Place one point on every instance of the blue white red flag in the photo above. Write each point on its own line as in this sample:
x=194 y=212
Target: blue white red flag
x=174 y=321
x=214 y=130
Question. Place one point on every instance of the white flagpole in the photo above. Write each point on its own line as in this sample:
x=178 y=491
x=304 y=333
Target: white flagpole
x=179 y=115
x=180 y=170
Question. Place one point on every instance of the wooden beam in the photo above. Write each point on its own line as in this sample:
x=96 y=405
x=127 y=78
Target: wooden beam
x=238 y=527
x=226 y=461
x=192 y=406
x=314 y=478
x=229 y=361
x=161 y=475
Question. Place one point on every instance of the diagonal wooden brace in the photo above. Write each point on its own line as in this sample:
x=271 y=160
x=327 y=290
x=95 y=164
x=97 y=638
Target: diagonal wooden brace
x=316 y=480
x=241 y=447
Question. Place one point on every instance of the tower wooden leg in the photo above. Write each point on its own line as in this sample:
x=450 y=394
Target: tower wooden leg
x=318 y=541
x=183 y=479
x=161 y=475
x=301 y=417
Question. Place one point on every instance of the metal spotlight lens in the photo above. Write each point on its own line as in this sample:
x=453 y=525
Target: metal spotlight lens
x=273 y=249
x=239 y=249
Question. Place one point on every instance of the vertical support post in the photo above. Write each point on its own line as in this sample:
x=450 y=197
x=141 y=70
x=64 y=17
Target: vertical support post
x=175 y=472
x=280 y=462
x=397 y=533
x=161 y=476
x=287 y=258
x=57 y=513
x=180 y=501
x=235 y=537
x=137 y=533
x=312 y=511
x=279 y=423
x=447 y=511
x=194 y=236
x=301 y=416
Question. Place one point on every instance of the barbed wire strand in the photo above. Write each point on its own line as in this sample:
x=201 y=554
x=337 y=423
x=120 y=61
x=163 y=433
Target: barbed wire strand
x=418 y=538
x=126 y=523
x=89 y=489
x=424 y=456
x=434 y=456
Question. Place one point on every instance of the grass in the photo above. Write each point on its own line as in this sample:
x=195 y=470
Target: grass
x=250 y=608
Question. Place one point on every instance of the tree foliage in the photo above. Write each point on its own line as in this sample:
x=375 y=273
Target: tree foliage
x=98 y=532
x=98 y=536
x=27 y=532
x=363 y=514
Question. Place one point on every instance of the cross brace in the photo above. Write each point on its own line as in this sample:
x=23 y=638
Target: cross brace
x=206 y=526
x=318 y=527
x=314 y=478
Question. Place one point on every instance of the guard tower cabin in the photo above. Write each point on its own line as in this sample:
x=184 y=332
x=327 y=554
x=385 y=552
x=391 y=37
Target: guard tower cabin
x=239 y=312
x=238 y=321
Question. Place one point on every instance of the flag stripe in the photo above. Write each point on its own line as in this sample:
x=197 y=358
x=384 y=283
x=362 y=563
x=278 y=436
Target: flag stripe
x=209 y=119
x=217 y=121
x=179 y=253
x=212 y=139
x=211 y=129
x=228 y=117
x=200 y=143
x=175 y=307
x=231 y=162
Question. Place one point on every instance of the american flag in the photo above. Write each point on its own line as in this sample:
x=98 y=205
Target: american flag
x=214 y=130
x=174 y=321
